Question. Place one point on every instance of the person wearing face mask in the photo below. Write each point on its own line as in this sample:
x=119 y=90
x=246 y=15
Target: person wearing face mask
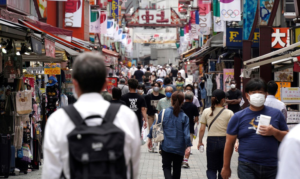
x=216 y=118
x=179 y=83
x=168 y=82
x=234 y=98
x=195 y=100
x=161 y=73
x=257 y=152
x=132 y=70
x=151 y=103
x=152 y=68
x=164 y=103
x=153 y=77
x=141 y=90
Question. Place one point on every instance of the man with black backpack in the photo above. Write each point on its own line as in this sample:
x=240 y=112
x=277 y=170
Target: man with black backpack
x=93 y=138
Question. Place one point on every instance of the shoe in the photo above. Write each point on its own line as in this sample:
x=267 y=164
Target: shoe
x=191 y=152
x=185 y=165
x=160 y=152
x=154 y=150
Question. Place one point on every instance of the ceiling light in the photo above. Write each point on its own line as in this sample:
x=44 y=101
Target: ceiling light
x=18 y=53
x=26 y=53
x=282 y=60
x=4 y=51
x=29 y=48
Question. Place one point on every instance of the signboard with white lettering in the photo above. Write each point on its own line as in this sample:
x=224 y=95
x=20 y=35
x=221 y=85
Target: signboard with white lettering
x=73 y=14
x=280 y=37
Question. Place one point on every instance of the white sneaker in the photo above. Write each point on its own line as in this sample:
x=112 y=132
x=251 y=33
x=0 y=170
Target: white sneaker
x=185 y=165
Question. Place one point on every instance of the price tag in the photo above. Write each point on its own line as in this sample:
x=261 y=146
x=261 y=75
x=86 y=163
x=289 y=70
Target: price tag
x=12 y=76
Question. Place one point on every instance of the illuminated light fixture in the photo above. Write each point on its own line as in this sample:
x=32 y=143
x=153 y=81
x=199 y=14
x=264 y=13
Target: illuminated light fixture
x=4 y=50
x=18 y=53
x=26 y=53
x=255 y=67
x=282 y=60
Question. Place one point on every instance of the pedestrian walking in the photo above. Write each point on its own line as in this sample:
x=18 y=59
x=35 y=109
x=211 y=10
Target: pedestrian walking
x=195 y=99
x=136 y=102
x=179 y=83
x=176 y=136
x=116 y=95
x=123 y=86
x=153 y=77
x=192 y=112
x=165 y=103
x=63 y=144
x=138 y=74
x=258 y=147
x=216 y=118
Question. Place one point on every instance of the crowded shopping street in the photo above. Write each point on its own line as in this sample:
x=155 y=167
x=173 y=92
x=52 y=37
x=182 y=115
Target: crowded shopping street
x=150 y=89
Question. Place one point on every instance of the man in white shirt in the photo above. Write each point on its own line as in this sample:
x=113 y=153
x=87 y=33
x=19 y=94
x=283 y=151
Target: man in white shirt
x=289 y=155
x=161 y=73
x=271 y=101
x=132 y=70
x=182 y=72
x=152 y=68
x=89 y=78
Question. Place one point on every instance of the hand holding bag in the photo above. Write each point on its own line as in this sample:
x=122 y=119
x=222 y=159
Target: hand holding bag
x=157 y=131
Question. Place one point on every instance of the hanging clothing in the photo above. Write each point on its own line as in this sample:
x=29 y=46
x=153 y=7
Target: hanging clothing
x=214 y=82
x=209 y=85
x=218 y=80
x=202 y=91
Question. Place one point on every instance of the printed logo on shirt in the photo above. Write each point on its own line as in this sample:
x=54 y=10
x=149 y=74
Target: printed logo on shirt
x=254 y=126
x=133 y=104
x=154 y=103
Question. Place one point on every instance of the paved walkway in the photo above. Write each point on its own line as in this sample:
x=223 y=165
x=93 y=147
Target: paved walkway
x=151 y=164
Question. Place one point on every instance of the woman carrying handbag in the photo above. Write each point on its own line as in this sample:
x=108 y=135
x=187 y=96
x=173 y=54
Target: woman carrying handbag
x=176 y=136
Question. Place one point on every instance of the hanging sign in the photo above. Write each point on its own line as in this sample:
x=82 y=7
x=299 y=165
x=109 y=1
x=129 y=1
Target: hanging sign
x=153 y=16
x=205 y=13
x=219 y=25
x=266 y=7
x=50 y=48
x=284 y=75
x=111 y=83
x=281 y=85
x=293 y=117
x=157 y=38
x=230 y=10
x=36 y=45
x=110 y=28
x=248 y=18
x=95 y=21
x=52 y=68
x=115 y=9
x=280 y=37
x=290 y=95
x=73 y=13
x=103 y=22
x=234 y=37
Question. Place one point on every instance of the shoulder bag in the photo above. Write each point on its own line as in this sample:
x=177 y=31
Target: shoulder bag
x=215 y=118
x=157 y=131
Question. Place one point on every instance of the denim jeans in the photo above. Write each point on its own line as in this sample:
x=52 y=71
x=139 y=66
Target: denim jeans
x=212 y=66
x=248 y=170
x=214 y=155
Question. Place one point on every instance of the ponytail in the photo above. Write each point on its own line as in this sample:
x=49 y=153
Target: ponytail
x=213 y=103
x=177 y=100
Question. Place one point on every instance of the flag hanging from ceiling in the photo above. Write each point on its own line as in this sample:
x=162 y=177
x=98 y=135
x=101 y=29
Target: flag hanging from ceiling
x=219 y=25
x=116 y=34
x=205 y=13
x=103 y=22
x=120 y=33
x=95 y=21
x=248 y=18
x=197 y=17
x=110 y=28
x=230 y=10
x=266 y=7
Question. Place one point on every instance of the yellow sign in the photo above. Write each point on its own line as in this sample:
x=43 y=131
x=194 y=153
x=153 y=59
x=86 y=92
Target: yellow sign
x=29 y=75
x=281 y=85
x=297 y=35
x=52 y=68
x=233 y=34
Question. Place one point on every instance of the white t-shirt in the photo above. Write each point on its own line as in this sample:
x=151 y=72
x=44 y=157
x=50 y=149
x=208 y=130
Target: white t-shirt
x=289 y=155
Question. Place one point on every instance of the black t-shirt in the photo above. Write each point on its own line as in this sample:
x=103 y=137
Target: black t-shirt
x=191 y=111
x=135 y=102
x=139 y=75
x=151 y=102
x=148 y=74
x=118 y=101
x=174 y=72
x=236 y=94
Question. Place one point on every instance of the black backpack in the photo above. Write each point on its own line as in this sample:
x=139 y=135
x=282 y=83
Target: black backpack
x=96 y=152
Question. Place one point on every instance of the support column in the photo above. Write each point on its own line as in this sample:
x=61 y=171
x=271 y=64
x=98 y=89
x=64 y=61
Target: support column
x=237 y=71
x=246 y=56
x=265 y=42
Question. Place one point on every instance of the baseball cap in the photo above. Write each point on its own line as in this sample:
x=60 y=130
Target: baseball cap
x=159 y=80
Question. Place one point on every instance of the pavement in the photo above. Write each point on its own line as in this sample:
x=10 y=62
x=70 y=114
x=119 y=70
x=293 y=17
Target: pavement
x=151 y=165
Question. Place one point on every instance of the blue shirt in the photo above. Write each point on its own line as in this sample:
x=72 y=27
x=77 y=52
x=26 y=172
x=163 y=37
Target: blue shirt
x=255 y=148
x=176 y=132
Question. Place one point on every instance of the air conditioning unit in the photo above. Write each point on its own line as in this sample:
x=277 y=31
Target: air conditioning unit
x=289 y=9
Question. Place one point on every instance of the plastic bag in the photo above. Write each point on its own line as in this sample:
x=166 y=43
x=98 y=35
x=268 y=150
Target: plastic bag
x=196 y=132
x=145 y=132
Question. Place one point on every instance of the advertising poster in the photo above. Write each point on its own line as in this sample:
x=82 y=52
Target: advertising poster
x=95 y=21
x=73 y=15
x=284 y=75
x=111 y=83
x=290 y=95
x=230 y=10
x=281 y=85
x=68 y=82
x=228 y=75
x=50 y=48
x=52 y=68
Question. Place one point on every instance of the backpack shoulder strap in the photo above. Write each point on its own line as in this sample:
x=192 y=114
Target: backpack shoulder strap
x=74 y=115
x=111 y=112
x=215 y=118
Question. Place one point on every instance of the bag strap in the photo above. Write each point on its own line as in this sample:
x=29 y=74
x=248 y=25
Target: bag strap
x=73 y=115
x=215 y=118
x=111 y=112
x=162 y=118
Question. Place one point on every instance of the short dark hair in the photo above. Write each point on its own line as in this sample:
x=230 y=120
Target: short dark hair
x=156 y=83
x=189 y=85
x=133 y=83
x=272 y=87
x=255 y=84
x=116 y=93
x=148 y=69
x=146 y=80
x=139 y=67
x=167 y=81
x=89 y=67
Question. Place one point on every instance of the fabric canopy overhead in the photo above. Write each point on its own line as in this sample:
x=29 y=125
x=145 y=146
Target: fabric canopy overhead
x=51 y=29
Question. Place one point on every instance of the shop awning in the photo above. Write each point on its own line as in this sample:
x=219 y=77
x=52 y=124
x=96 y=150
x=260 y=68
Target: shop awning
x=10 y=30
x=109 y=52
x=56 y=38
x=217 y=40
x=199 y=52
x=189 y=52
x=70 y=51
x=51 y=29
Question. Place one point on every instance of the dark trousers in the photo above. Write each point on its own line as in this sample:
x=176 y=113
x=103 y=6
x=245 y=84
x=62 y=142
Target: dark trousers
x=167 y=160
x=214 y=154
x=248 y=170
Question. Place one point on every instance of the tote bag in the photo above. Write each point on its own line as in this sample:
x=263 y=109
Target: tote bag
x=158 y=132
x=24 y=102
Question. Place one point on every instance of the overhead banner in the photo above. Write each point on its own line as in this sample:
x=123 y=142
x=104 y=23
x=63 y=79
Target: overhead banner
x=115 y=9
x=248 y=18
x=157 y=38
x=103 y=22
x=205 y=13
x=110 y=28
x=73 y=13
x=266 y=7
x=230 y=10
x=95 y=21
x=219 y=25
x=50 y=48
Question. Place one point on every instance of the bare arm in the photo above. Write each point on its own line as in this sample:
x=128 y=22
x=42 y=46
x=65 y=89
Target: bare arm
x=144 y=113
x=196 y=119
x=234 y=101
x=230 y=141
x=201 y=134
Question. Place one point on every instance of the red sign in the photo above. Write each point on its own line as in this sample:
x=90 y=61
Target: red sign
x=50 y=48
x=111 y=83
x=280 y=37
x=297 y=65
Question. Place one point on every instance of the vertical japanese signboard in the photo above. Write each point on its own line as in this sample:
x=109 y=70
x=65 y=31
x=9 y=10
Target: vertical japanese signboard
x=115 y=9
x=280 y=37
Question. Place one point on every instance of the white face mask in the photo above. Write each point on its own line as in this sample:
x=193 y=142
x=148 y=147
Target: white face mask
x=232 y=86
x=74 y=93
x=141 y=91
x=195 y=85
x=179 y=79
x=257 y=99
